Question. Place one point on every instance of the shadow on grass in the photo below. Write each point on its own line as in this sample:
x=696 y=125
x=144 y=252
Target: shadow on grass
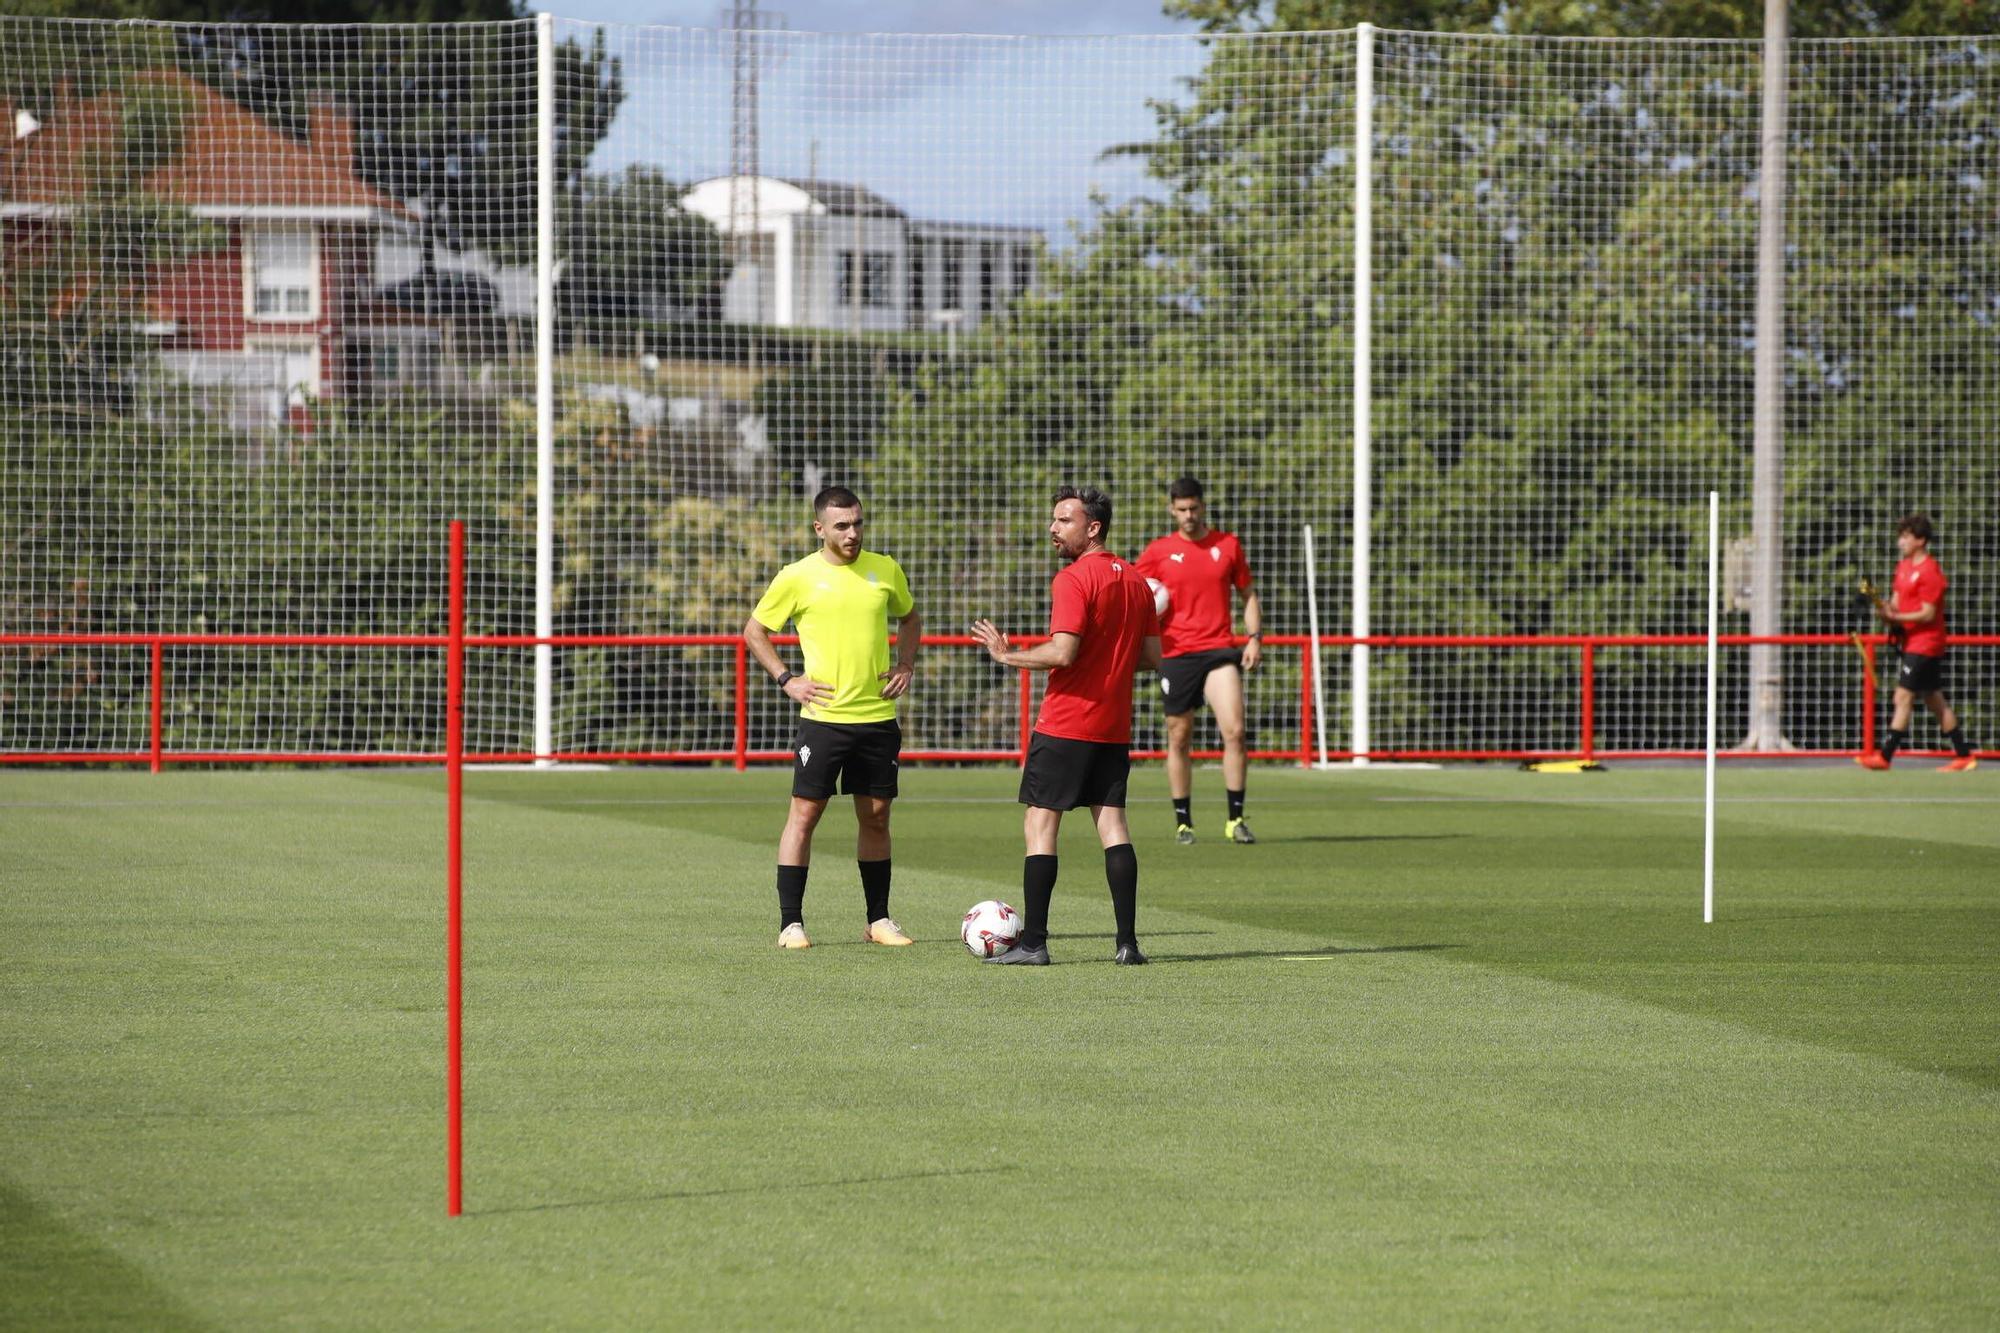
x=1369 y=837
x=1053 y=939
x=53 y=1275
x=1301 y=954
x=785 y=1187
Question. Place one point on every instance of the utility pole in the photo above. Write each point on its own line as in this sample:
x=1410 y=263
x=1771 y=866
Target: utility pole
x=744 y=22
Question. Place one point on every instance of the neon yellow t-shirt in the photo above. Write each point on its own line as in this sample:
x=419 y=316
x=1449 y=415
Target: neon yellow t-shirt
x=842 y=612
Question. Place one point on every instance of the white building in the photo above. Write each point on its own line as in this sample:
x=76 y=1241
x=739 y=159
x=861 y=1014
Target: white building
x=828 y=255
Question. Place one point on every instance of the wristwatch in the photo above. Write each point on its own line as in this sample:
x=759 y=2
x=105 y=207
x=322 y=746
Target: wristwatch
x=785 y=678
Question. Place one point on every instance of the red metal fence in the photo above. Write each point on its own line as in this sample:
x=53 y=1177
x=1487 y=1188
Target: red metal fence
x=1586 y=646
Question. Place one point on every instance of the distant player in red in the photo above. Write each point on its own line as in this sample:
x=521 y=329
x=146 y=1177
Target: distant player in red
x=1915 y=610
x=1200 y=570
x=1101 y=630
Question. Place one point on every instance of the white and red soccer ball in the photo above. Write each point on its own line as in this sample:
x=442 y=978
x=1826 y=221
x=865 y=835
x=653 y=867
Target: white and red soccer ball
x=990 y=928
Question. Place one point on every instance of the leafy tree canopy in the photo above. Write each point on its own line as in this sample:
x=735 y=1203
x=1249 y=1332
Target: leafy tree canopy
x=1598 y=18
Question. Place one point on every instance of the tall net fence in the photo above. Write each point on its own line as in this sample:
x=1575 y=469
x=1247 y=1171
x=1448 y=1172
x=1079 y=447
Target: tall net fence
x=270 y=308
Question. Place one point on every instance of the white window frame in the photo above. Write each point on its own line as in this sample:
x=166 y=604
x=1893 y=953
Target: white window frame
x=878 y=279
x=250 y=283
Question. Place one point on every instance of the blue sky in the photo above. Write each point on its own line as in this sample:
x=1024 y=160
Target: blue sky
x=1006 y=127
x=1015 y=17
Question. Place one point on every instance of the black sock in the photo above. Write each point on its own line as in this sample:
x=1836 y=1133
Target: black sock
x=1184 y=811
x=1121 y=872
x=1959 y=745
x=875 y=888
x=1038 y=885
x=1894 y=743
x=791 y=896
x=1235 y=804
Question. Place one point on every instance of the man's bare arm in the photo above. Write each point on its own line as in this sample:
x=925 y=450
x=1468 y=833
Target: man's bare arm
x=1059 y=651
x=909 y=638
x=798 y=688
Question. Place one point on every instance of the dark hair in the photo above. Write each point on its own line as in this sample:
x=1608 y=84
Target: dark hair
x=1917 y=525
x=1184 y=487
x=1095 y=503
x=835 y=497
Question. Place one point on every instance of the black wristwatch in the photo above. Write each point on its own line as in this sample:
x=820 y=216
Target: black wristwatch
x=785 y=678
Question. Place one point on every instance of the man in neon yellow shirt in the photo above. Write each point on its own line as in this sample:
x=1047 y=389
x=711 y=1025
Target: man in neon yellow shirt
x=842 y=599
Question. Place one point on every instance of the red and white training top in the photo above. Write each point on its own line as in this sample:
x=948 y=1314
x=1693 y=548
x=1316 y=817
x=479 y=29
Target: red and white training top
x=1917 y=582
x=1199 y=576
x=1105 y=602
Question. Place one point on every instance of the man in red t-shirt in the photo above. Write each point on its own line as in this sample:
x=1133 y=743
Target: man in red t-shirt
x=1917 y=616
x=1101 y=630
x=1199 y=570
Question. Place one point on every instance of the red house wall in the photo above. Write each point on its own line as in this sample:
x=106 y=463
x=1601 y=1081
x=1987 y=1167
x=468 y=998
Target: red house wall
x=205 y=299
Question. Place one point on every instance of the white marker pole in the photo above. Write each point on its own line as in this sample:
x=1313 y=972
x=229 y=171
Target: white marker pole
x=1708 y=798
x=545 y=387
x=1318 y=658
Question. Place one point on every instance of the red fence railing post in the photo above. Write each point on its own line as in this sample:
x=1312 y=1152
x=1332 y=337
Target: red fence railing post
x=1868 y=679
x=1306 y=704
x=159 y=676
x=742 y=705
x=1027 y=703
x=1589 y=669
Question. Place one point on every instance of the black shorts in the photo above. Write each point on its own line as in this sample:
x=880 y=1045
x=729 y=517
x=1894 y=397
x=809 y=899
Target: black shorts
x=1183 y=678
x=1063 y=774
x=1920 y=675
x=861 y=755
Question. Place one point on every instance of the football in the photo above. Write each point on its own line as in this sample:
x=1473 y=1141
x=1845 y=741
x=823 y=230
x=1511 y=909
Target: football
x=1159 y=596
x=990 y=927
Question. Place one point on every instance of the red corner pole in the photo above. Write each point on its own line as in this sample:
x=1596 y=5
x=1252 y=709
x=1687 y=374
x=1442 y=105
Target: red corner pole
x=454 y=780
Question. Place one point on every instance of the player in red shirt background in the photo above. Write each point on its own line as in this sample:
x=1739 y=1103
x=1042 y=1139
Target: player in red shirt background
x=1200 y=570
x=1918 y=616
x=1101 y=630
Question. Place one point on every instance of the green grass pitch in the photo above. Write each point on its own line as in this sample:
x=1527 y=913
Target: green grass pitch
x=1446 y=1048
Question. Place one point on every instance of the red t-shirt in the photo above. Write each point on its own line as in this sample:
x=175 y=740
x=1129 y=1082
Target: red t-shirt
x=1199 y=576
x=1917 y=582
x=1105 y=602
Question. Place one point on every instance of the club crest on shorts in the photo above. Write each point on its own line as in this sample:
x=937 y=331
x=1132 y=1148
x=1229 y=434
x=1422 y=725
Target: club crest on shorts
x=805 y=755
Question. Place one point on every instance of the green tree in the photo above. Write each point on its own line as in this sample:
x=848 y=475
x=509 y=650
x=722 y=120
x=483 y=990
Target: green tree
x=443 y=114
x=1563 y=293
x=825 y=412
x=631 y=254
x=73 y=291
x=1594 y=18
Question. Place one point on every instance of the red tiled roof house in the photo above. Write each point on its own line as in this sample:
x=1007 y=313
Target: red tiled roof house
x=286 y=302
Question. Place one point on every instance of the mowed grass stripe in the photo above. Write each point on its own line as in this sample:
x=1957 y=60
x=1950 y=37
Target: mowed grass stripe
x=1864 y=936
x=683 y=1126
